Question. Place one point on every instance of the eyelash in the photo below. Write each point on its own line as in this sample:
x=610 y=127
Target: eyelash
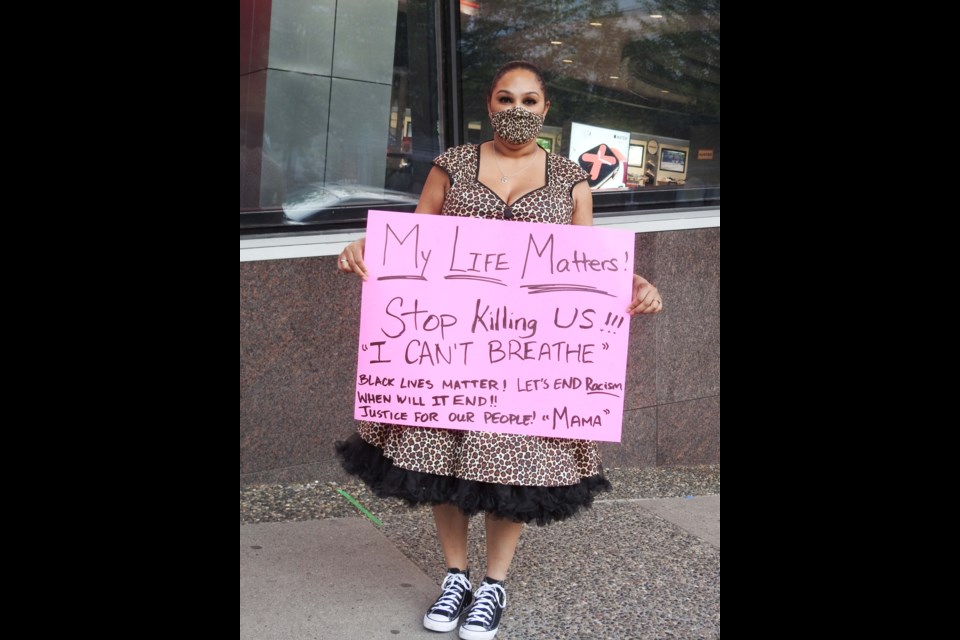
x=505 y=100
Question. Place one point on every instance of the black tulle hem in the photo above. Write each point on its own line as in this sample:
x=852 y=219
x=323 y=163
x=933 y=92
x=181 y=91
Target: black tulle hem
x=541 y=505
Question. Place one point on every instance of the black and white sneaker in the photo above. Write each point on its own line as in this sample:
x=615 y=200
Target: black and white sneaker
x=456 y=597
x=483 y=619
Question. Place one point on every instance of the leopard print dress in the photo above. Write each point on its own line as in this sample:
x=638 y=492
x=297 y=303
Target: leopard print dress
x=552 y=203
x=524 y=478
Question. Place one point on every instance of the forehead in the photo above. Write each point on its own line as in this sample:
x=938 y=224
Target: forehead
x=518 y=80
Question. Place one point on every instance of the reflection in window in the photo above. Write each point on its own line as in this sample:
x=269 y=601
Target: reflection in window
x=340 y=100
x=338 y=108
x=634 y=85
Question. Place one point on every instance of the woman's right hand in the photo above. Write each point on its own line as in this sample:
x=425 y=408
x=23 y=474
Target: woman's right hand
x=351 y=259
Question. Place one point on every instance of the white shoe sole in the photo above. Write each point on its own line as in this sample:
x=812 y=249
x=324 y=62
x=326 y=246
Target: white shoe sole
x=439 y=625
x=467 y=634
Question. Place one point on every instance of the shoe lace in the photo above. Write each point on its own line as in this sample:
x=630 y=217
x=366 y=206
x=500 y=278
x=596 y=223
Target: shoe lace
x=454 y=586
x=486 y=599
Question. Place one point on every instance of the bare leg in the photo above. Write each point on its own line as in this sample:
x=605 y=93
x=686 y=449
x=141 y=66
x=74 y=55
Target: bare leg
x=452 y=531
x=502 y=538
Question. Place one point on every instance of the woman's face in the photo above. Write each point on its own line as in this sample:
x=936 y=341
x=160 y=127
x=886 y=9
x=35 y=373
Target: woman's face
x=518 y=88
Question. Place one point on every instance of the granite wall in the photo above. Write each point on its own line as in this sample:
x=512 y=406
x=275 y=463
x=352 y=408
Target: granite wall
x=298 y=357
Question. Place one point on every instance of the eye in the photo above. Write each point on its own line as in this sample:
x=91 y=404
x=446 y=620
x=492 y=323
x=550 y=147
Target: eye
x=504 y=100
x=530 y=101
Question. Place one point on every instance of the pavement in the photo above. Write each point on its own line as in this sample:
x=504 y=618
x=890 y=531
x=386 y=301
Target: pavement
x=630 y=567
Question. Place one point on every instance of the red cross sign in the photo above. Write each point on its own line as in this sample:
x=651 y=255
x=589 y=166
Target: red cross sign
x=598 y=160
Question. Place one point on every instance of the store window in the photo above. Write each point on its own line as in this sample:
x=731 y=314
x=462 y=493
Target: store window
x=339 y=109
x=343 y=104
x=634 y=87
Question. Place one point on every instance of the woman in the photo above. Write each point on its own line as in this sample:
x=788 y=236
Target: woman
x=512 y=478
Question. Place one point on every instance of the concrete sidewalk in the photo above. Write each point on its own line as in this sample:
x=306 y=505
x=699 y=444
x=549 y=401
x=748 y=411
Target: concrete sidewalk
x=336 y=578
x=628 y=568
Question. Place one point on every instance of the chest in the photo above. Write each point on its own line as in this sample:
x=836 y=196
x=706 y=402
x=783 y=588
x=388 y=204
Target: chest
x=510 y=181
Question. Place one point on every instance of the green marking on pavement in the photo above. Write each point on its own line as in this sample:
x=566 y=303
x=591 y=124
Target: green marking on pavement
x=374 y=519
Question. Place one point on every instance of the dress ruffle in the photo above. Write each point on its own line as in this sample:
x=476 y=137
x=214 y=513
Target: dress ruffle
x=485 y=456
x=542 y=505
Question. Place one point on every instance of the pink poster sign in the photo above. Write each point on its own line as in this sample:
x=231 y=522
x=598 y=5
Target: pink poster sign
x=489 y=325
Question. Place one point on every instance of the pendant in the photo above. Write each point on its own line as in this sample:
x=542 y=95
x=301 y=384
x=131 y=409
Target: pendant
x=503 y=179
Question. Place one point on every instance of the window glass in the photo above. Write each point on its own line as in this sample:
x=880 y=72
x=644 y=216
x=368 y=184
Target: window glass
x=339 y=109
x=634 y=87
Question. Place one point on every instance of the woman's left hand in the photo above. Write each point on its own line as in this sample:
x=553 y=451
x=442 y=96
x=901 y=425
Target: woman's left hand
x=646 y=298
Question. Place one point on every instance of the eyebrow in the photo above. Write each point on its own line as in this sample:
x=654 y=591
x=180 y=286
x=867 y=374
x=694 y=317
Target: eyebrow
x=510 y=93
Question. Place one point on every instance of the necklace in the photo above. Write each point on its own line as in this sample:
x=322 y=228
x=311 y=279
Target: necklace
x=503 y=176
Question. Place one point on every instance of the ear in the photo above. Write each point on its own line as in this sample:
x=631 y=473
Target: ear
x=546 y=107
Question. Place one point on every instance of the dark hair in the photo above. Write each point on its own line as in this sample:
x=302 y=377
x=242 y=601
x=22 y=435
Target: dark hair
x=513 y=65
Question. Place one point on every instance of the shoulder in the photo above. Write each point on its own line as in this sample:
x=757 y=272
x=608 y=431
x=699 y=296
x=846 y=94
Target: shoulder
x=454 y=158
x=566 y=170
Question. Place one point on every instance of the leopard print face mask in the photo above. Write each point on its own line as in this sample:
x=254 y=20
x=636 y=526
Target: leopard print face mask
x=516 y=125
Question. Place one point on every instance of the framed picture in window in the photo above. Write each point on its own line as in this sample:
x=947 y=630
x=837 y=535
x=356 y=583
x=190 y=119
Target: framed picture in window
x=673 y=160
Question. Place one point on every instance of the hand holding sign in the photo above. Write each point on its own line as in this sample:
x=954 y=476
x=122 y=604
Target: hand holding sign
x=351 y=259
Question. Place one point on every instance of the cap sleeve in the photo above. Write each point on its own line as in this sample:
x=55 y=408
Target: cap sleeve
x=448 y=162
x=569 y=172
x=579 y=175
